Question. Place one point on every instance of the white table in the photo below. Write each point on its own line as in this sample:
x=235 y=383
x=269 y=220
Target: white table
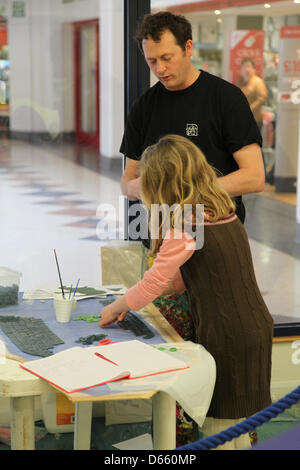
x=21 y=387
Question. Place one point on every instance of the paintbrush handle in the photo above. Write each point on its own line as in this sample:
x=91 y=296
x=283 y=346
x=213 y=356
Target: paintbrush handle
x=62 y=287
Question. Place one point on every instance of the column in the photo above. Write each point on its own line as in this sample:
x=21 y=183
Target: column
x=286 y=153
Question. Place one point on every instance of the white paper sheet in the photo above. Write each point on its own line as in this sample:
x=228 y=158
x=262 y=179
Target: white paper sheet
x=143 y=442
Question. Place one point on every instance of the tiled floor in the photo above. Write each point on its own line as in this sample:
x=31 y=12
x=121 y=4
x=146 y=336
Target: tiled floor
x=270 y=225
x=51 y=197
x=55 y=197
x=48 y=202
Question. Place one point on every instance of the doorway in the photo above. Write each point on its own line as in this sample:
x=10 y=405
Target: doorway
x=87 y=86
x=4 y=79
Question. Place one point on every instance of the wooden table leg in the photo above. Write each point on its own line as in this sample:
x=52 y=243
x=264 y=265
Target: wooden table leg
x=164 y=421
x=22 y=423
x=83 y=425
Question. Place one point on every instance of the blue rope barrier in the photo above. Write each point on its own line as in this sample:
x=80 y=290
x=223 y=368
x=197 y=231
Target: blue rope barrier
x=247 y=425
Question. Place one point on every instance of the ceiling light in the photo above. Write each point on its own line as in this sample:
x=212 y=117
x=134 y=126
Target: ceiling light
x=296 y=1
x=267 y=5
x=217 y=12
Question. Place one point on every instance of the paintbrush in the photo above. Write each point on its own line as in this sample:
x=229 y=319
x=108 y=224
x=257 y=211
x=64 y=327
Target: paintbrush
x=62 y=287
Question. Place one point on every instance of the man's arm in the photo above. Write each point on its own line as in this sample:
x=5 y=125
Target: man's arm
x=130 y=182
x=250 y=177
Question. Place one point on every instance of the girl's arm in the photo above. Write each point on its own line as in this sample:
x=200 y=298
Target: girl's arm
x=161 y=279
x=117 y=310
x=169 y=289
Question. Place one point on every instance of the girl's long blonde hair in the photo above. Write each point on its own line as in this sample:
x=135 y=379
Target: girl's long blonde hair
x=175 y=171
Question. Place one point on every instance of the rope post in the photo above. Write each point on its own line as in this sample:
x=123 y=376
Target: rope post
x=247 y=425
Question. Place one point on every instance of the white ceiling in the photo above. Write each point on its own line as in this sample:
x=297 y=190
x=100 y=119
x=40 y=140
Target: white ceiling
x=276 y=9
x=171 y=3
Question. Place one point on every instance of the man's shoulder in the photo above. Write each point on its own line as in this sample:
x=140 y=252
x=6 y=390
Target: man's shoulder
x=226 y=95
x=148 y=95
x=220 y=83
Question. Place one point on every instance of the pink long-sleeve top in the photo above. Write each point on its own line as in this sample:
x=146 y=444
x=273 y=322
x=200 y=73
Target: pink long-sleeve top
x=173 y=253
x=176 y=249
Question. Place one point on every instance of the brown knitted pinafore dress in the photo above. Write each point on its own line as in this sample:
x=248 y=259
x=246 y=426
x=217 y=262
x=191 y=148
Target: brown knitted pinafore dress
x=231 y=320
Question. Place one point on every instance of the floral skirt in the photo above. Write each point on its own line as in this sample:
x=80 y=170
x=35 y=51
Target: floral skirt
x=175 y=309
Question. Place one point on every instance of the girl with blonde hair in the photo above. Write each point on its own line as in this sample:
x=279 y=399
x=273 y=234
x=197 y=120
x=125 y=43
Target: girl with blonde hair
x=229 y=316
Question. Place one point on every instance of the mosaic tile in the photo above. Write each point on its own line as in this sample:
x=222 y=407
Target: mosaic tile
x=109 y=237
x=30 y=184
x=62 y=202
x=93 y=238
x=88 y=223
x=17 y=177
x=33 y=184
x=22 y=174
x=7 y=164
x=75 y=212
x=49 y=194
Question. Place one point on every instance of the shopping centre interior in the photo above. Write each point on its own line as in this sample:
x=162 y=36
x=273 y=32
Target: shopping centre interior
x=62 y=117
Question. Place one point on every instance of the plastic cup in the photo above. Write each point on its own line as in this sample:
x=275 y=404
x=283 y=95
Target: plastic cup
x=63 y=308
x=9 y=286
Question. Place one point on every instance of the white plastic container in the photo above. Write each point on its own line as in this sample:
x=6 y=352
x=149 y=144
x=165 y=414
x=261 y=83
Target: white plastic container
x=9 y=287
x=58 y=413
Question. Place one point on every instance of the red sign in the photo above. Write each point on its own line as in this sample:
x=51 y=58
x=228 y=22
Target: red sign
x=246 y=44
x=290 y=32
x=3 y=35
x=291 y=66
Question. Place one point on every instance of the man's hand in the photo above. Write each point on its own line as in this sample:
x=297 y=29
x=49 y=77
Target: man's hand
x=130 y=182
x=133 y=188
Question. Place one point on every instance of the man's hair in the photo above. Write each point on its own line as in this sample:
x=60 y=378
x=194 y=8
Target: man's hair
x=248 y=59
x=153 y=25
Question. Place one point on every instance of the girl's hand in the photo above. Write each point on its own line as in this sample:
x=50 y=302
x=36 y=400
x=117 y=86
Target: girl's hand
x=108 y=316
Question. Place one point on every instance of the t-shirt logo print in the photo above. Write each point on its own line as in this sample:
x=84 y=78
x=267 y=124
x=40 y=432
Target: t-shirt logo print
x=192 y=130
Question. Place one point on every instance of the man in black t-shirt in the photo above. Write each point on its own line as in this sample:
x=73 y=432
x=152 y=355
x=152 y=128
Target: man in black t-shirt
x=210 y=111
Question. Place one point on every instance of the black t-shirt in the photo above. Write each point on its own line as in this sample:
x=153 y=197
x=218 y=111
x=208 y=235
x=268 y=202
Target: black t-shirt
x=212 y=113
